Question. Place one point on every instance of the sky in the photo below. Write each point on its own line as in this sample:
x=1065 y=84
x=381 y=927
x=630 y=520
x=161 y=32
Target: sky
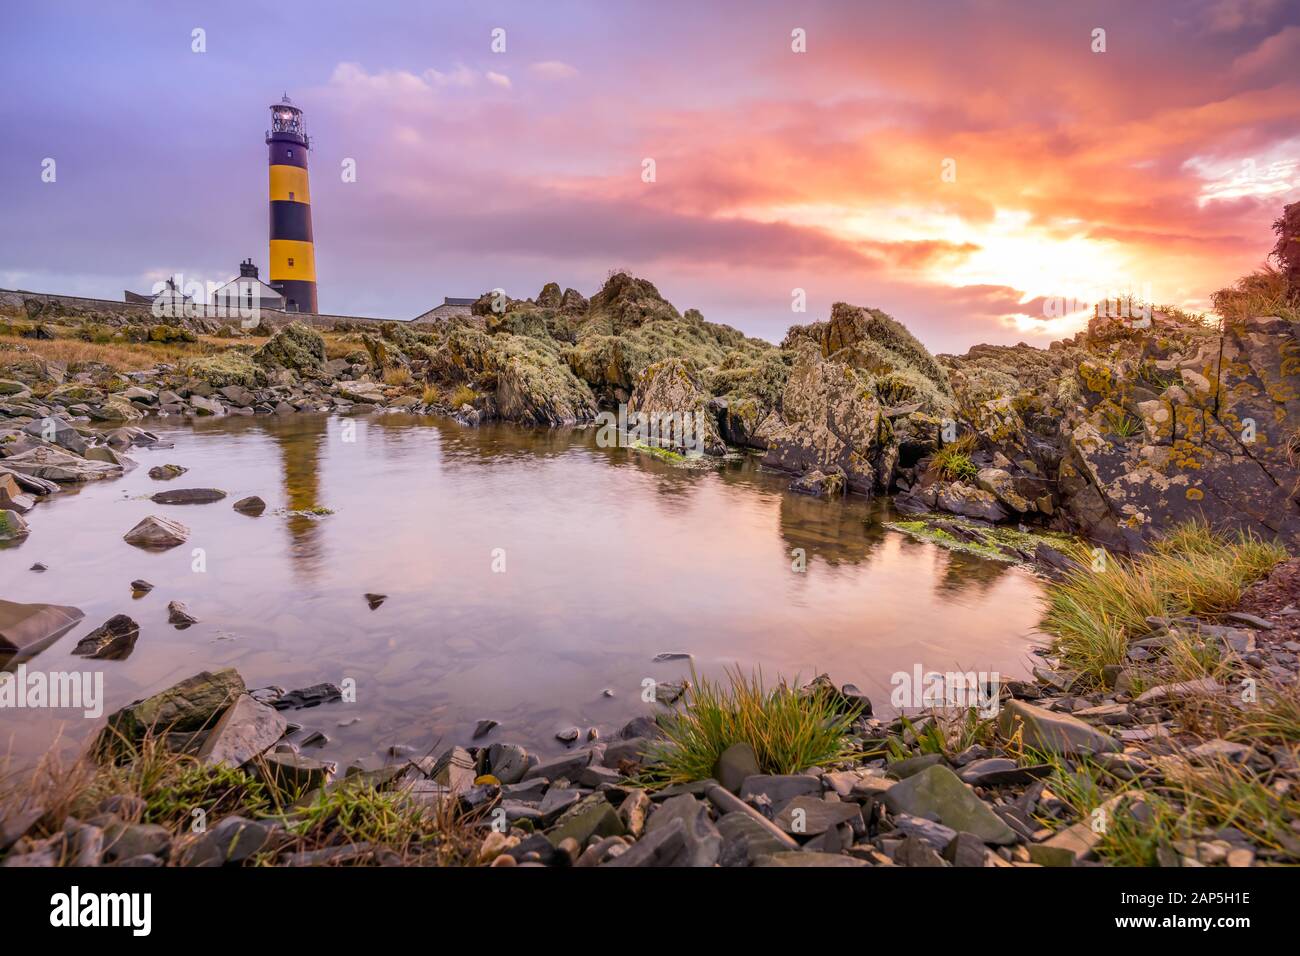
x=979 y=169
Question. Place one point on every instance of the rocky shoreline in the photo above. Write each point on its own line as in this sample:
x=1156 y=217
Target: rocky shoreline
x=934 y=790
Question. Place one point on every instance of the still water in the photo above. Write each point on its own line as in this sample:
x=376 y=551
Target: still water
x=610 y=557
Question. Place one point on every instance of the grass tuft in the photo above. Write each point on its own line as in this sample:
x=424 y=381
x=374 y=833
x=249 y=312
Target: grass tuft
x=789 y=730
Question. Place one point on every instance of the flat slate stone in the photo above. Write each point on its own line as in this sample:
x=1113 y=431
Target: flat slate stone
x=936 y=792
x=245 y=730
x=1043 y=729
x=187 y=496
x=810 y=815
x=28 y=626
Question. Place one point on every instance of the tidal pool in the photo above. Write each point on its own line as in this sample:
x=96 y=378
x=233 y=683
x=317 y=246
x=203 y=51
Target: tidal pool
x=527 y=572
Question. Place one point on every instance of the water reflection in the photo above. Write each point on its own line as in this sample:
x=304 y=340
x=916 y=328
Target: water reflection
x=609 y=557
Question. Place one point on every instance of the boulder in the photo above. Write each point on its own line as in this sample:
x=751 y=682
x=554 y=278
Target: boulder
x=968 y=501
x=157 y=533
x=295 y=347
x=252 y=506
x=735 y=764
x=12 y=525
x=188 y=706
x=830 y=422
x=672 y=405
x=166 y=472
x=55 y=464
x=57 y=432
x=113 y=640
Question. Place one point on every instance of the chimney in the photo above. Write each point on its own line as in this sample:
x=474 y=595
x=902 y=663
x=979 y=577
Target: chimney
x=247 y=270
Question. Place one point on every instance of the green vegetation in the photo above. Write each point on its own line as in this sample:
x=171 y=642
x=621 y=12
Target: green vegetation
x=789 y=729
x=1093 y=614
x=952 y=464
x=995 y=542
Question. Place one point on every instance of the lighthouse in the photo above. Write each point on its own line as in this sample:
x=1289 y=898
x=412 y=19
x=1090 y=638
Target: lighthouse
x=293 y=257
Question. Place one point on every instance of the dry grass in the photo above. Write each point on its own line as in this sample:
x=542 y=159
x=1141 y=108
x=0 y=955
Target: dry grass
x=1192 y=570
x=1263 y=292
x=398 y=376
x=74 y=352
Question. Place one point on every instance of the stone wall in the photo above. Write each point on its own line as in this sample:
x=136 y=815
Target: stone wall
x=22 y=304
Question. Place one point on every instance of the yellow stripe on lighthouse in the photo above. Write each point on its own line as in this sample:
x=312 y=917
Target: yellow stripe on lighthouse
x=301 y=254
x=289 y=184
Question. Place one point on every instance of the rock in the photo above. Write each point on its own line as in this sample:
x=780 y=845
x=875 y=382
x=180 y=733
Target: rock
x=970 y=502
x=12 y=525
x=252 y=505
x=454 y=769
x=1002 y=486
x=914 y=852
x=811 y=815
x=188 y=496
x=55 y=464
x=937 y=793
x=702 y=842
x=569 y=735
x=1219 y=750
x=57 y=432
x=507 y=762
x=669 y=388
x=296 y=347
x=374 y=600
x=1072 y=845
x=735 y=764
x=1205 y=687
x=745 y=840
x=179 y=615
x=591 y=816
x=141 y=586
x=367 y=393
x=633 y=812
x=302 y=697
x=12 y=496
x=166 y=472
x=966 y=850
x=231 y=840
x=158 y=533
x=187 y=706
x=780 y=789
x=245 y=730
x=910 y=766
x=125 y=841
x=1046 y=730
x=30 y=627
x=111 y=641
x=1001 y=772
x=936 y=834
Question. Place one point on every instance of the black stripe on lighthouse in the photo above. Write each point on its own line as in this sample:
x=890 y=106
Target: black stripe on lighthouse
x=290 y=220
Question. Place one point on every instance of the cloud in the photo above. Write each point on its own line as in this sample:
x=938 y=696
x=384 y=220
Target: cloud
x=554 y=70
